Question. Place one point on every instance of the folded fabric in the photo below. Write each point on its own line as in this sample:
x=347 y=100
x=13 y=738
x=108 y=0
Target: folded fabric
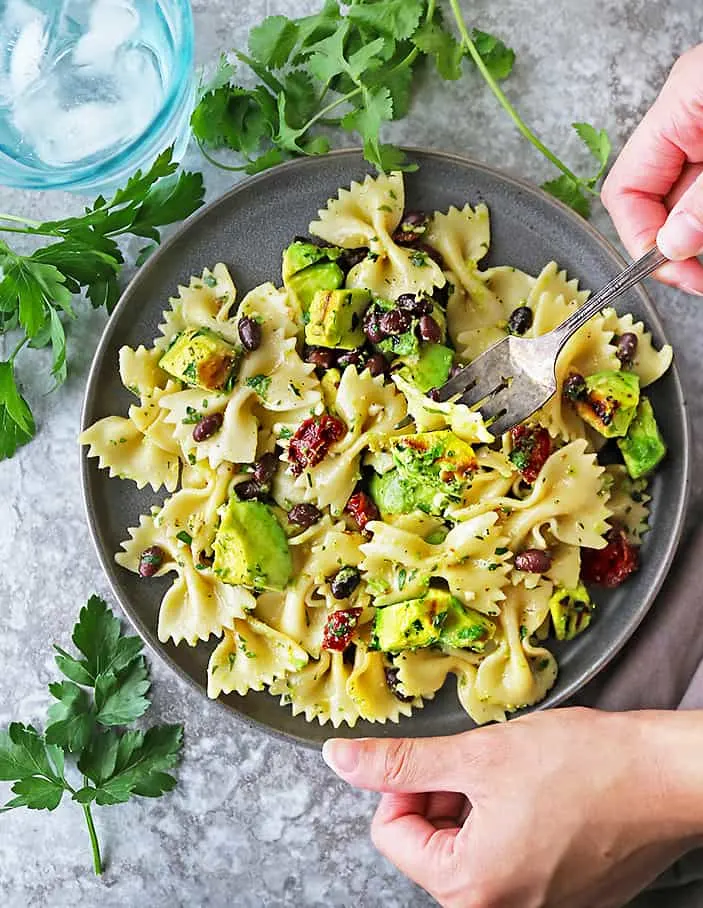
x=661 y=667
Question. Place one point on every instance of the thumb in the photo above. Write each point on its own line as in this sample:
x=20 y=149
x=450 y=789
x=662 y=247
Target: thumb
x=681 y=237
x=400 y=764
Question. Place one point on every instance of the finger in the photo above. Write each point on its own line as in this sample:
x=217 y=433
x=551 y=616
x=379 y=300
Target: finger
x=445 y=805
x=689 y=175
x=653 y=158
x=681 y=237
x=411 y=842
x=401 y=764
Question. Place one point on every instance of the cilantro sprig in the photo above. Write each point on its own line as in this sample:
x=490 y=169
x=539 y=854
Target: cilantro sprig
x=354 y=66
x=38 y=292
x=106 y=689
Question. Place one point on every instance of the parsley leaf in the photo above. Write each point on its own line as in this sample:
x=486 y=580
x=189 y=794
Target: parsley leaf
x=16 y=421
x=115 y=763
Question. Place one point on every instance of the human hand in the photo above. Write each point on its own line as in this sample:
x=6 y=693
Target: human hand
x=570 y=808
x=660 y=170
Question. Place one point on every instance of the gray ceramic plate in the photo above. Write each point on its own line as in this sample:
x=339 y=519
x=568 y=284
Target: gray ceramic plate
x=247 y=229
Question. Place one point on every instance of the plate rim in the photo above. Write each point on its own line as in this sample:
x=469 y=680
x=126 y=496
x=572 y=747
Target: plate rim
x=107 y=563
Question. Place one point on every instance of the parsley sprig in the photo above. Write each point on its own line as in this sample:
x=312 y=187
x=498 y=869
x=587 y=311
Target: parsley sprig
x=106 y=689
x=354 y=67
x=38 y=291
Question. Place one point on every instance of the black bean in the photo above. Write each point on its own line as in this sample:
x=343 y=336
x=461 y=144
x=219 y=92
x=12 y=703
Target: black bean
x=429 y=330
x=371 y=323
x=322 y=357
x=520 y=320
x=574 y=387
x=415 y=305
x=249 y=333
x=533 y=561
x=344 y=582
x=441 y=294
x=378 y=365
x=352 y=358
x=304 y=515
x=455 y=370
x=431 y=253
x=433 y=394
x=151 y=560
x=395 y=322
x=265 y=467
x=412 y=228
x=626 y=348
x=207 y=426
x=351 y=257
x=249 y=490
x=391 y=673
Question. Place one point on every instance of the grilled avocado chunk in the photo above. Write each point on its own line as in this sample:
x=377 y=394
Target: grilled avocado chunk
x=251 y=548
x=465 y=628
x=643 y=447
x=411 y=624
x=202 y=359
x=308 y=268
x=571 y=611
x=335 y=318
x=609 y=402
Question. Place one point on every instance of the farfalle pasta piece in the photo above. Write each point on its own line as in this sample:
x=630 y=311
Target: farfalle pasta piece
x=136 y=447
x=649 y=363
x=568 y=498
x=197 y=605
x=421 y=673
x=518 y=673
x=140 y=372
x=251 y=656
x=471 y=560
x=368 y=688
x=367 y=214
x=429 y=415
x=319 y=691
x=206 y=302
x=369 y=408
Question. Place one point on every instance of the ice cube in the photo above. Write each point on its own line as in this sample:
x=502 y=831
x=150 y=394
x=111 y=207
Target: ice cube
x=112 y=24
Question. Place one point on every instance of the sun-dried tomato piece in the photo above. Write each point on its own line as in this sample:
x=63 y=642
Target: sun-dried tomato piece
x=612 y=565
x=363 y=509
x=313 y=440
x=340 y=629
x=531 y=448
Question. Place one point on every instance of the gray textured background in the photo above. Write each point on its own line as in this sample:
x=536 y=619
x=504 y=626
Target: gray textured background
x=255 y=822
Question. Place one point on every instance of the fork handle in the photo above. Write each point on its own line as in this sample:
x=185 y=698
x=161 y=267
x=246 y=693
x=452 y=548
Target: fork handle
x=615 y=288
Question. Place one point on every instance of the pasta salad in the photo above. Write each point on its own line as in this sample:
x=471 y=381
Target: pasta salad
x=348 y=540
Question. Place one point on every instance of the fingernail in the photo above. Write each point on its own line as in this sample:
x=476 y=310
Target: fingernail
x=692 y=290
x=341 y=756
x=681 y=237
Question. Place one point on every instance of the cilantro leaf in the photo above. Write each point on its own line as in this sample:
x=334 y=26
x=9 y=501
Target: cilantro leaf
x=272 y=42
x=570 y=192
x=394 y=18
x=16 y=420
x=434 y=41
x=367 y=120
x=498 y=58
x=598 y=143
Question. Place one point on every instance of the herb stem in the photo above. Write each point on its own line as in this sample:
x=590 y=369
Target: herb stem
x=22 y=343
x=18 y=220
x=503 y=100
x=95 y=844
x=214 y=162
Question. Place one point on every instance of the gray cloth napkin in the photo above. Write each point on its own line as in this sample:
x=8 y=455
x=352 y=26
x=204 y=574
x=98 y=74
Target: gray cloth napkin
x=661 y=667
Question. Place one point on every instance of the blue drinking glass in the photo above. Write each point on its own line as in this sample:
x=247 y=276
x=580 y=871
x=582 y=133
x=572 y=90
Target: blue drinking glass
x=91 y=90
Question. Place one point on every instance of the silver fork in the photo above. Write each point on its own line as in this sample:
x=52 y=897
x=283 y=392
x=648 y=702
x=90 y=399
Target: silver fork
x=516 y=376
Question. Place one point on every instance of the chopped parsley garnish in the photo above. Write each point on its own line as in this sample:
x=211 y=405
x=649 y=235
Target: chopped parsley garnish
x=260 y=383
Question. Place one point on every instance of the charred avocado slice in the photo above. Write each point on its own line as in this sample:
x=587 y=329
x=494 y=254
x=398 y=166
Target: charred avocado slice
x=609 y=402
x=411 y=624
x=202 y=359
x=308 y=268
x=643 y=447
x=571 y=611
x=465 y=628
x=251 y=548
x=335 y=318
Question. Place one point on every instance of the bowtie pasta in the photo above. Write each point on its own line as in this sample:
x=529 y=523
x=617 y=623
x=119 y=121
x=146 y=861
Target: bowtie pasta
x=347 y=540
